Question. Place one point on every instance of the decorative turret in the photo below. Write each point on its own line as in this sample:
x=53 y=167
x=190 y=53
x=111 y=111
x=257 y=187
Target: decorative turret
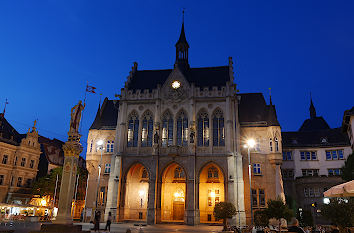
x=182 y=49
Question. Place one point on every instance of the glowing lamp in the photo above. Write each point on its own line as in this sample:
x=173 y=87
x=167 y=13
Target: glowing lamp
x=212 y=194
x=100 y=142
x=176 y=84
x=43 y=202
x=251 y=143
x=177 y=195
x=141 y=193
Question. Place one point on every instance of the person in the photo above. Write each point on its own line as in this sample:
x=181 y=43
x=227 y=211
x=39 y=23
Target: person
x=334 y=228
x=294 y=226
x=109 y=221
x=97 y=221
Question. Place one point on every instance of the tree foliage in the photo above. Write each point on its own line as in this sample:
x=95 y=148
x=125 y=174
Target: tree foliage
x=224 y=210
x=261 y=218
x=339 y=211
x=348 y=168
x=45 y=185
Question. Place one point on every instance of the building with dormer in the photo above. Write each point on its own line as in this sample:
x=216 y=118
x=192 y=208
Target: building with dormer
x=19 y=154
x=174 y=146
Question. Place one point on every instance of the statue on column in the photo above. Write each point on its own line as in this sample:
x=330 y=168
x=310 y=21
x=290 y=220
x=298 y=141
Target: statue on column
x=76 y=117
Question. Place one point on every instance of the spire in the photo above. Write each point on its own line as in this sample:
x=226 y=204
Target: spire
x=312 y=109
x=182 y=48
x=270 y=97
x=97 y=122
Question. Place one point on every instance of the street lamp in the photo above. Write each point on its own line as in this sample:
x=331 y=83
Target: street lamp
x=100 y=147
x=249 y=145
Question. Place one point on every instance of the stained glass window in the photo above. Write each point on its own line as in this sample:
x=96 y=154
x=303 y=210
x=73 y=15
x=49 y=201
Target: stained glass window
x=203 y=129
x=218 y=129
x=133 y=128
x=167 y=129
x=147 y=130
x=182 y=129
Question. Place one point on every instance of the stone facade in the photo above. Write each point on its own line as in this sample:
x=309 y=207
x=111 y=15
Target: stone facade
x=178 y=140
x=19 y=154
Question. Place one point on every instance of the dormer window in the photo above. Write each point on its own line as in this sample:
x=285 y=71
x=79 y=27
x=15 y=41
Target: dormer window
x=324 y=140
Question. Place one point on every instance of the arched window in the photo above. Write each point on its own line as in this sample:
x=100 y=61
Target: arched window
x=179 y=173
x=276 y=144
x=167 y=129
x=203 y=129
x=147 y=130
x=91 y=145
x=182 y=129
x=270 y=144
x=112 y=146
x=218 y=129
x=213 y=173
x=133 y=128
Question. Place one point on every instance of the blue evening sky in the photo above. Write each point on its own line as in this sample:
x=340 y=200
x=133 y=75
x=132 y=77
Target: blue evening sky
x=50 y=48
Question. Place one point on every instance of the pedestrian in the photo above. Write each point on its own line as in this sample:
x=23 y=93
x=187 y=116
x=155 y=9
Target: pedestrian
x=294 y=226
x=109 y=221
x=97 y=221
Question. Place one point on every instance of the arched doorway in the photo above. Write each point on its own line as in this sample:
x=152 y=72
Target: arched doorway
x=211 y=191
x=173 y=192
x=136 y=193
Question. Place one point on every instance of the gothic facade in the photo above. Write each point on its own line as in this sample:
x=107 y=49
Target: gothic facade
x=174 y=146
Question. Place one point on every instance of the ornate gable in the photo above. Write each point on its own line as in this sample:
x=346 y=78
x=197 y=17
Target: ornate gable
x=176 y=87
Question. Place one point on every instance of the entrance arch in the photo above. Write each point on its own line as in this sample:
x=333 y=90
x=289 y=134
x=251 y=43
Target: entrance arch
x=173 y=193
x=136 y=193
x=211 y=191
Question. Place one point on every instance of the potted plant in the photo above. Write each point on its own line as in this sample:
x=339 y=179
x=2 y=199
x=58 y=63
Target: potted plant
x=224 y=210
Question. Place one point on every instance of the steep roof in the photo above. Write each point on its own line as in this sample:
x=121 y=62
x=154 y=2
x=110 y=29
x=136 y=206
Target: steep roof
x=106 y=116
x=201 y=77
x=8 y=133
x=314 y=124
x=346 y=118
x=320 y=138
x=254 y=111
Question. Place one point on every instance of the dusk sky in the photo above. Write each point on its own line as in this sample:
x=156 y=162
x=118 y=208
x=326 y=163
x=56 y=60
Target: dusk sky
x=49 y=49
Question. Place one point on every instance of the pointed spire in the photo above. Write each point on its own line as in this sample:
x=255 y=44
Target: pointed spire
x=182 y=47
x=97 y=121
x=270 y=96
x=312 y=108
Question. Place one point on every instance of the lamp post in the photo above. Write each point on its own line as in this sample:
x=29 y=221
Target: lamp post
x=100 y=147
x=249 y=145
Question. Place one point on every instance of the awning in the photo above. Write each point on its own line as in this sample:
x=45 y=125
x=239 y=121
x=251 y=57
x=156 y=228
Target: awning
x=341 y=190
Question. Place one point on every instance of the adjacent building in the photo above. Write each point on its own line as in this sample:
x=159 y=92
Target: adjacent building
x=312 y=161
x=19 y=157
x=174 y=146
x=348 y=125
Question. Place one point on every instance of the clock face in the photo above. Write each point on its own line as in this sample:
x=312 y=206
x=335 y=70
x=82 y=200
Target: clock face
x=176 y=84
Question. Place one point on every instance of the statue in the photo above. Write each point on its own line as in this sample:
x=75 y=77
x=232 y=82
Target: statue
x=76 y=117
x=192 y=135
x=156 y=138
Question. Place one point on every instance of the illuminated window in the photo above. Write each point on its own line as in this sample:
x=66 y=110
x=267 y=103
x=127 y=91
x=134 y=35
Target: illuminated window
x=182 y=129
x=133 y=129
x=213 y=173
x=147 y=130
x=276 y=144
x=210 y=202
x=203 y=129
x=102 y=195
x=218 y=129
x=4 y=159
x=217 y=200
x=167 y=129
x=179 y=173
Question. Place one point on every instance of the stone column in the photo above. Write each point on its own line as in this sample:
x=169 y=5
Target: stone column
x=279 y=189
x=240 y=196
x=151 y=211
x=72 y=149
x=190 y=213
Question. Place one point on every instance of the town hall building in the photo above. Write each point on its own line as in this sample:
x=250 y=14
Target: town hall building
x=174 y=146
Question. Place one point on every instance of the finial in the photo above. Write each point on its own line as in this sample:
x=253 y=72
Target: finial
x=183 y=14
x=270 y=96
x=312 y=108
x=6 y=103
x=34 y=125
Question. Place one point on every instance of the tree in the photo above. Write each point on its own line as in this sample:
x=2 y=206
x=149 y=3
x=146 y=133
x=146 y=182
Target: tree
x=261 y=218
x=348 y=168
x=339 y=211
x=305 y=218
x=45 y=186
x=278 y=209
x=224 y=210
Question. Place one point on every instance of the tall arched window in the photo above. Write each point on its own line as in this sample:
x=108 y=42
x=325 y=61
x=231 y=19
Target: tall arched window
x=91 y=145
x=270 y=144
x=108 y=147
x=276 y=144
x=147 y=130
x=182 y=129
x=167 y=129
x=218 y=129
x=203 y=129
x=133 y=129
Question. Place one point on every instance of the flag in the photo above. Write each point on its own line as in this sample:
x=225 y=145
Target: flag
x=90 y=89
